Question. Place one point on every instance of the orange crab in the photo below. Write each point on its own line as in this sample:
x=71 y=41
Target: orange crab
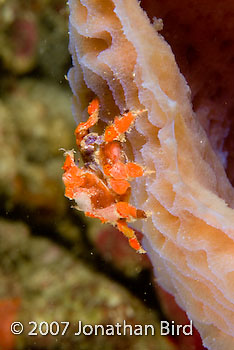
x=101 y=188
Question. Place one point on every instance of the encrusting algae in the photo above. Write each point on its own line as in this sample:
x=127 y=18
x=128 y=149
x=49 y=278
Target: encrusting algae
x=120 y=58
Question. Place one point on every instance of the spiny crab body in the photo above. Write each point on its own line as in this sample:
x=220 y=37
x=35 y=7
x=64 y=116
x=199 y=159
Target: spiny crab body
x=101 y=188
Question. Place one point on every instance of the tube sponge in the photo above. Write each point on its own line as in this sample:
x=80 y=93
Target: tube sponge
x=120 y=57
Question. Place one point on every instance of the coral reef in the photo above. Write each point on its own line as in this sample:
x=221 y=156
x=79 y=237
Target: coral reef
x=33 y=36
x=120 y=57
x=29 y=273
x=28 y=116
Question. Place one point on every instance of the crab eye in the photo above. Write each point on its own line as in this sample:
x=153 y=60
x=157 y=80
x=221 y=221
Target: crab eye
x=90 y=139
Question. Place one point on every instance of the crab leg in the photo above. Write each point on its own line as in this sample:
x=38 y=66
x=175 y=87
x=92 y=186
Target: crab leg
x=129 y=212
x=82 y=129
x=119 y=127
x=130 y=234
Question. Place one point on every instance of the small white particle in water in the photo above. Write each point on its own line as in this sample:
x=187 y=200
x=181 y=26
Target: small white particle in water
x=114 y=301
x=130 y=312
